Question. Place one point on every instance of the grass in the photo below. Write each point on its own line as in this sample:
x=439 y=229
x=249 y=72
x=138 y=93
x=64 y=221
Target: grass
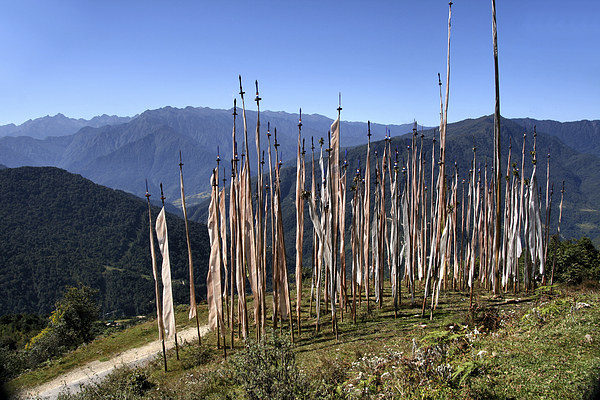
x=552 y=350
x=538 y=346
x=102 y=349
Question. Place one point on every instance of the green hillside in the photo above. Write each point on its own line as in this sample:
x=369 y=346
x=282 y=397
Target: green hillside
x=59 y=229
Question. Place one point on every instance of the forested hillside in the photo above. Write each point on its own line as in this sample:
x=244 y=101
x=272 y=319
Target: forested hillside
x=59 y=229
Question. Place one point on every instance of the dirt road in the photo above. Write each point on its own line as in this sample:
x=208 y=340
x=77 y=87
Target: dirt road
x=96 y=370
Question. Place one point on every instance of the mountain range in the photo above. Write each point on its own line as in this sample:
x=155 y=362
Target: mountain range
x=58 y=125
x=59 y=228
x=124 y=155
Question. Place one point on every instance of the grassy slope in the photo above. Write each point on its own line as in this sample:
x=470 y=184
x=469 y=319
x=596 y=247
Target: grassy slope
x=539 y=350
x=102 y=349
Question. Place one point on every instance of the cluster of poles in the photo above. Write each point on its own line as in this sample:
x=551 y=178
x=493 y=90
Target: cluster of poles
x=165 y=311
x=451 y=235
x=447 y=236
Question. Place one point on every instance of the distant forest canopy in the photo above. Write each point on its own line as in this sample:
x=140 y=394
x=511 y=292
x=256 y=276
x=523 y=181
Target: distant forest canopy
x=59 y=229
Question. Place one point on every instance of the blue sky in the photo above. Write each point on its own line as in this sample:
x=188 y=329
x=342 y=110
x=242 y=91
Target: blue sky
x=85 y=58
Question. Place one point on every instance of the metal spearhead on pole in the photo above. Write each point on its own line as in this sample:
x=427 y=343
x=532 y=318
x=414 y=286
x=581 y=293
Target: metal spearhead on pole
x=241 y=90
x=257 y=98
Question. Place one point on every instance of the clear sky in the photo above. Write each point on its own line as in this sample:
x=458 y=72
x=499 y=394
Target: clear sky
x=86 y=58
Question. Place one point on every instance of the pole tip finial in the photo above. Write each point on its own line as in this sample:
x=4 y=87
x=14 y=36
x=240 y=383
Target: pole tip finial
x=241 y=91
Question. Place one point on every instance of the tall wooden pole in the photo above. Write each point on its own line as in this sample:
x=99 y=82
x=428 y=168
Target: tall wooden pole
x=161 y=328
x=496 y=151
x=275 y=275
x=194 y=311
x=233 y=225
x=299 y=222
x=260 y=325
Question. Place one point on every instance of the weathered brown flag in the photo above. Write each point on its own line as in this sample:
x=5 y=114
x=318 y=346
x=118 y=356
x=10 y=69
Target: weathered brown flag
x=159 y=319
x=367 y=218
x=213 y=278
x=223 y=228
x=535 y=238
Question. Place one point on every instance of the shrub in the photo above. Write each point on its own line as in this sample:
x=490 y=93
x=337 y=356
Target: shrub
x=576 y=261
x=193 y=356
x=267 y=369
x=123 y=383
x=486 y=318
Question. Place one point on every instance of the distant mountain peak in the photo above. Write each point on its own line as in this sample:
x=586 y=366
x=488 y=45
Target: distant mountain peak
x=58 y=125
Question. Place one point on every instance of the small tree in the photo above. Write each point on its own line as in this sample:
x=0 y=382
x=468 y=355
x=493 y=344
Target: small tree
x=76 y=313
x=70 y=325
x=577 y=261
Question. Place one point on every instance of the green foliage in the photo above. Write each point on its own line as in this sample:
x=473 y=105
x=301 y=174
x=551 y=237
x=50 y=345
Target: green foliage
x=441 y=337
x=58 y=229
x=326 y=380
x=123 y=383
x=196 y=355
x=464 y=371
x=75 y=314
x=17 y=329
x=70 y=325
x=267 y=369
x=577 y=261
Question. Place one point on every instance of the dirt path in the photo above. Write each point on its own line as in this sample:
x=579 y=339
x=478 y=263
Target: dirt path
x=96 y=370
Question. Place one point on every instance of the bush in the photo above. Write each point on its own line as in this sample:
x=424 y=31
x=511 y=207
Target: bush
x=71 y=324
x=193 y=356
x=267 y=369
x=576 y=261
x=123 y=383
x=486 y=318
